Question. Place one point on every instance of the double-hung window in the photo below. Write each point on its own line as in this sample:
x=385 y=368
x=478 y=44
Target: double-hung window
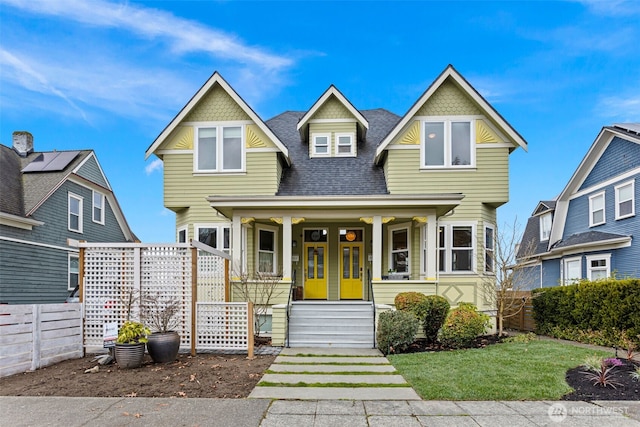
x=545 y=226
x=489 y=249
x=267 y=245
x=75 y=213
x=345 y=144
x=625 y=200
x=98 y=208
x=74 y=271
x=182 y=235
x=598 y=266
x=321 y=145
x=399 y=238
x=448 y=144
x=456 y=248
x=572 y=270
x=216 y=236
x=596 y=210
x=220 y=149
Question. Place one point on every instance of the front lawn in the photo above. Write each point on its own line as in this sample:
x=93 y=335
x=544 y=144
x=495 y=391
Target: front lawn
x=505 y=371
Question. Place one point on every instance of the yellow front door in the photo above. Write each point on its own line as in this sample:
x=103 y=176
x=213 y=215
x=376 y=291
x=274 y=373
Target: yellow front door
x=351 y=256
x=315 y=271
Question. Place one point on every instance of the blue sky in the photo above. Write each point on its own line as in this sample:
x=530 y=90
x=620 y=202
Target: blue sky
x=109 y=75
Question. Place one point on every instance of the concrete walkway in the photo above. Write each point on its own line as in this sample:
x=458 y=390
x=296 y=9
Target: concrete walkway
x=332 y=373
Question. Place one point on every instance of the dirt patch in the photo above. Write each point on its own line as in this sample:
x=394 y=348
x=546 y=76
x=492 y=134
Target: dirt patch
x=626 y=389
x=203 y=375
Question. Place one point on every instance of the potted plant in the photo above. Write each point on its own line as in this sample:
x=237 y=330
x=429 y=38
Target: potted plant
x=161 y=313
x=130 y=344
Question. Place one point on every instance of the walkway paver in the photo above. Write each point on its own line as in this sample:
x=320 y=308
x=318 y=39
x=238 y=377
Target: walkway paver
x=324 y=373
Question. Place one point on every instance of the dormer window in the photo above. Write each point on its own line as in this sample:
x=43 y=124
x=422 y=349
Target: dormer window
x=344 y=144
x=447 y=144
x=321 y=145
x=545 y=226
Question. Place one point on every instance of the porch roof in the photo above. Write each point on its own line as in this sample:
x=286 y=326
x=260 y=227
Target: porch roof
x=350 y=205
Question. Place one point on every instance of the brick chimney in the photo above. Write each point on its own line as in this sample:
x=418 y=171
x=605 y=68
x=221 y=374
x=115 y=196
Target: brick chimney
x=22 y=142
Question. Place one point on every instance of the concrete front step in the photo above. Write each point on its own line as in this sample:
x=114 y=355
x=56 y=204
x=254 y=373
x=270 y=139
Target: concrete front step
x=335 y=393
x=333 y=379
x=354 y=352
x=331 y=360
x=333 y=368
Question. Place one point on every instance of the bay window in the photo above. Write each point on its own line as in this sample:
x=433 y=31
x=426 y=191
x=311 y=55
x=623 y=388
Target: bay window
x=456 y=248
x=213 y=156
x=448 y=143
x=215 y=235
x=489 y=249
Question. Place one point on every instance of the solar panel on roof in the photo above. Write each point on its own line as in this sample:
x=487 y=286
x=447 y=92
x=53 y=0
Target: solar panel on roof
x=51 y=161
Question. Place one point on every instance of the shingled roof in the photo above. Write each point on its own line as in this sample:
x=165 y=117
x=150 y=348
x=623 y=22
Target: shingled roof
x=332 y=176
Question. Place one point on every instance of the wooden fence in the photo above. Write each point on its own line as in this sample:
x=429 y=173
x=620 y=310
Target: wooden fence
x=523 y=319
x=34 y=336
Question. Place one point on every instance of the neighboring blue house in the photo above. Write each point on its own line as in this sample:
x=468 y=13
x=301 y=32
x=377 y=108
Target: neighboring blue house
x=590 y=231
x=48 y=199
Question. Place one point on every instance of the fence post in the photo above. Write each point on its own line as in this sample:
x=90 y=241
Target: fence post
x=37 y=336
x=250 y=329
x=194 y=293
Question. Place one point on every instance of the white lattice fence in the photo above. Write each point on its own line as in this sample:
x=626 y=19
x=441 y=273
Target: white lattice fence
x=222 y=326
x=211 y=284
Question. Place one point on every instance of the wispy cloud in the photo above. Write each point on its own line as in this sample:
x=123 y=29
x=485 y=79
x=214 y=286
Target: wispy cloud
x=612 y=7
x=621 y=109
x=182 y=35
x=155 y=165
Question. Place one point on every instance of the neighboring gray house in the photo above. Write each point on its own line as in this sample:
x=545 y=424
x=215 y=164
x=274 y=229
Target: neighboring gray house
x=590 y=231
x=47 y=199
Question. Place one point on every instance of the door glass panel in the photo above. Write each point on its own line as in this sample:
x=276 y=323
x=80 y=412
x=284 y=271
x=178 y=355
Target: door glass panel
x=320 y=262
x=356 y=263
x=345 y=263
x=310 y=272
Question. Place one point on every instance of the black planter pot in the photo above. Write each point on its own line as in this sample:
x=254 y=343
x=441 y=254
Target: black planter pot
x=163 y=346
x=129 y=356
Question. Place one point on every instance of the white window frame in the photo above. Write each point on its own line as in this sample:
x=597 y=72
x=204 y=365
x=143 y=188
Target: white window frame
x=633 y=199
x=543 y=219
x=274 y=230
x=448 y=161
x=599 y=257
x=592 y=211
x=220 y=227
x=80 y=200
x=184 y=229
x=219 y=127
x=314 y=147
x=491 y=250
x=352 y=151
x=566 y=280
x=448 y=249
x=71 y=287
x=391 y=251
x=101 y=207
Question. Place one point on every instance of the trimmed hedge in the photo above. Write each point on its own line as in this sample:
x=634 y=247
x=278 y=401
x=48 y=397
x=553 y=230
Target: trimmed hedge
x=430 y=310
x=603 y=306
x=396 y=331
x=464 y=324
x=405 y=301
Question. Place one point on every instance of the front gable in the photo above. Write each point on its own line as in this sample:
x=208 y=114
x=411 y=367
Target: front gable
x=620 y=156
x=91 y=170
x=216 y=106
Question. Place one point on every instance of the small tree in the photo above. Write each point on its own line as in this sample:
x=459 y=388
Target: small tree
x=511 y=273
x=259 y=289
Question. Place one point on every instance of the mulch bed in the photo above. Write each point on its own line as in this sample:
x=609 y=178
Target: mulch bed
x=628 y=389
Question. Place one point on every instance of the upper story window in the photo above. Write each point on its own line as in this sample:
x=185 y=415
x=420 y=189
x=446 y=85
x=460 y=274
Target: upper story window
x=489 y=248
x=596 y=209
x=448 y=144
x=214 y=235
x=345 y=144
x=399 y=238
x=219 y=149
x=545 y=226
x=322 y=145
x=98 y=208
x=456 y=245
x=625 y=200
x=75 y=213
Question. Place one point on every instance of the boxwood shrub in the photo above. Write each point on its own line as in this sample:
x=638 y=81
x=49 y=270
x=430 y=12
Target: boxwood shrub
x=463 y=325
x=601 y=309
x=396 y=331
x=430 y=310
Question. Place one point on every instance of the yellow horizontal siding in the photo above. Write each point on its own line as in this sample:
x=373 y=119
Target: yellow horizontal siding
x=385 y=292
x=278 y=321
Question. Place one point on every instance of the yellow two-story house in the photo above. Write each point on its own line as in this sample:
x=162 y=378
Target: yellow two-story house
x=348 y=207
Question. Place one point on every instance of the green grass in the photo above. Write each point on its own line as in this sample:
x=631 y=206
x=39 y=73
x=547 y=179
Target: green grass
x=506 y=371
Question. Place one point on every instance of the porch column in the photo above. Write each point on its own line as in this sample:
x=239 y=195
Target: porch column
x=236 y=246
x=432 y=247
x=377 y=247
x=286 y=248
